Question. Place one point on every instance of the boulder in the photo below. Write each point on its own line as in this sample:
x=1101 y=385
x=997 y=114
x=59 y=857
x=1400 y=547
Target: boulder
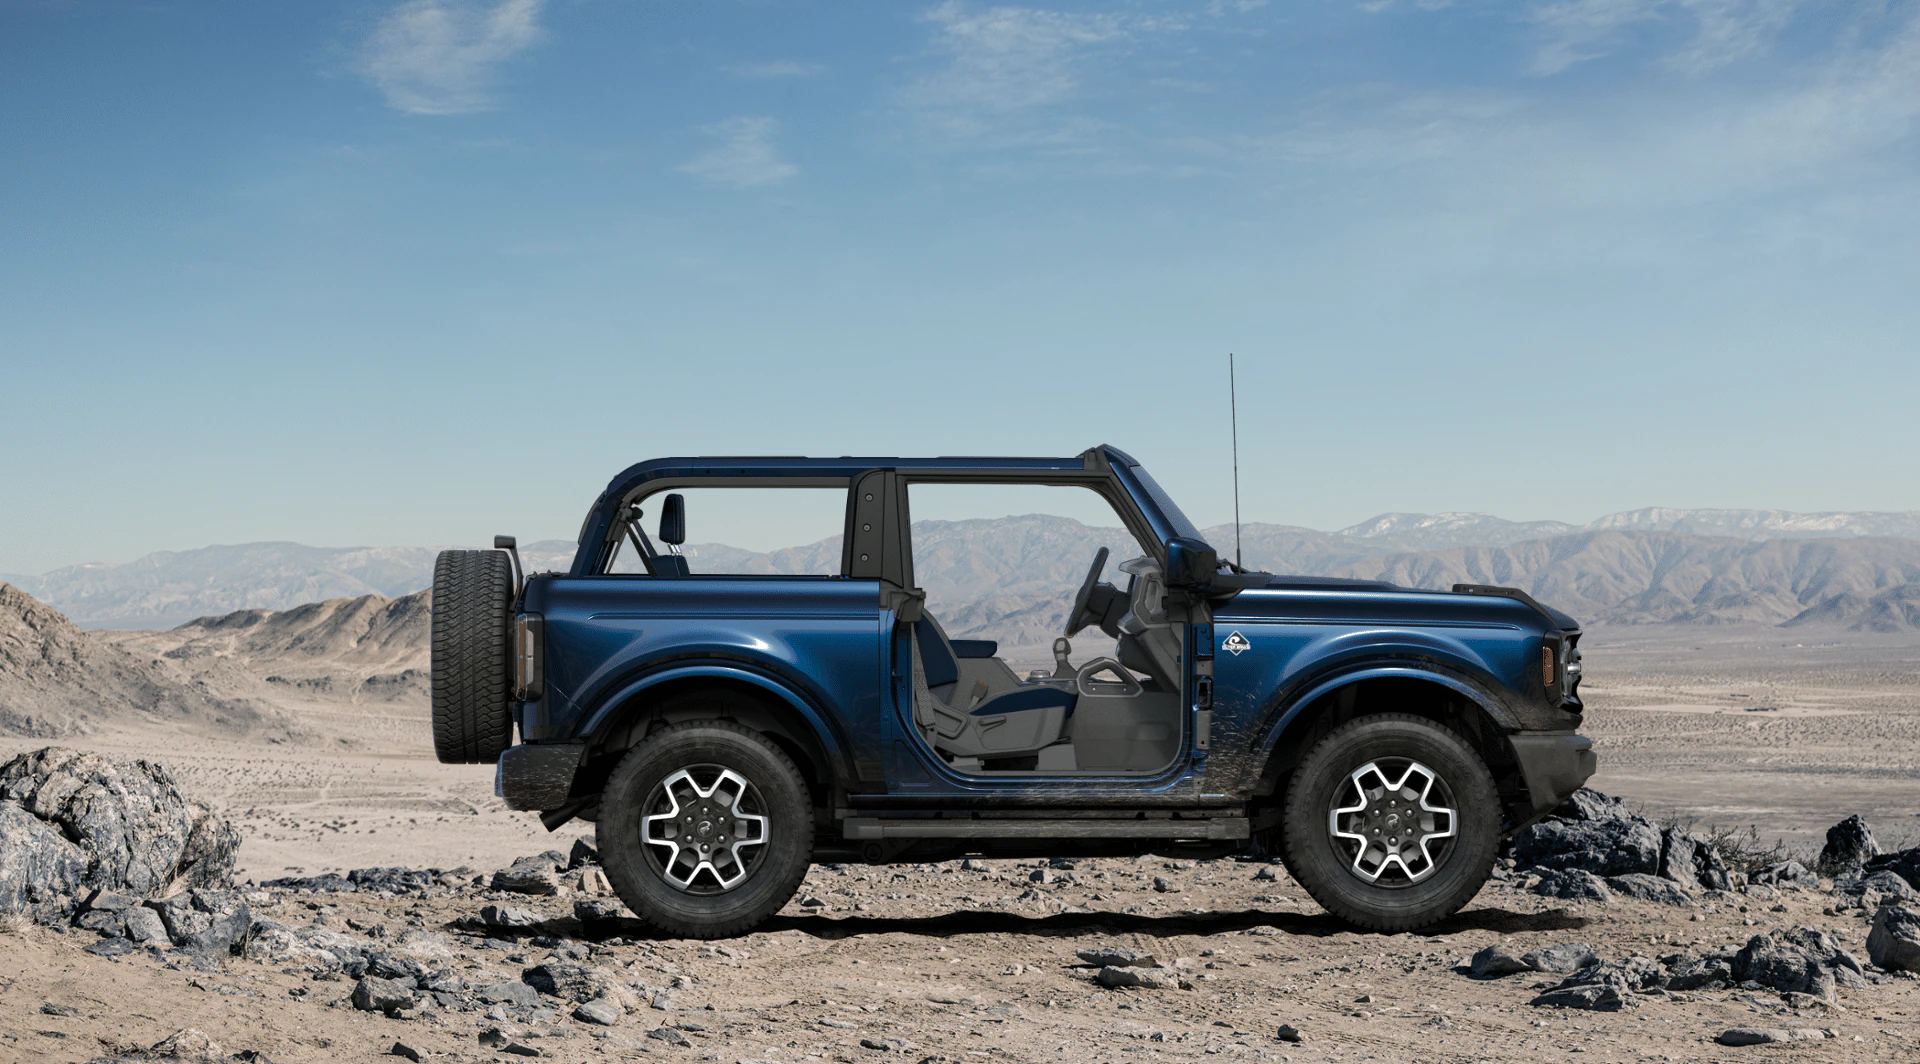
x=595 y=914
x=1784 y=874
x=74 y=824
x=1117 y=957
x=1572 y=886
x=508 y=916
x=1494 y=962
x=509 y=992
x=581 y=855
x=599 y=1011
x=1692 y=862
x=373 y=994
x=1591 y=832
x=1882 y=884
x=529 y=875
x=1800 y=961
x=1902 y=863
x=1849 y=847
x=573 y=982
x=1699 y=973
x=40 y=871
x=1894 y=942
x=1144 y=978
x=1561 y=959
x=1650 y=888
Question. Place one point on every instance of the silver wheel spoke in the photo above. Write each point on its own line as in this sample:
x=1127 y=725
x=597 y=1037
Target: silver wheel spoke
x=1393 y=820
x=705 y=837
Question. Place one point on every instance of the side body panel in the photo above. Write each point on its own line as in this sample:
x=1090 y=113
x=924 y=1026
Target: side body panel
x=815 y=642
x=1294 y=646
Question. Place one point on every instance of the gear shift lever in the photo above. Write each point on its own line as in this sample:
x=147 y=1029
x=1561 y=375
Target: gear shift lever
x=1062 y=668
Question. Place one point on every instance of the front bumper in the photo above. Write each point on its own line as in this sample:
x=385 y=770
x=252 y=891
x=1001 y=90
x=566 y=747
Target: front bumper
x=537 y=775
x=1554 y=765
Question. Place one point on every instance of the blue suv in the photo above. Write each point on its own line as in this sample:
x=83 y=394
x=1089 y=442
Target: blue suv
x=725 y=731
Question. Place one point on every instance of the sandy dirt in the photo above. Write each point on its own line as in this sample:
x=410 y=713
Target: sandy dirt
x=944 y=964
x=979 y=965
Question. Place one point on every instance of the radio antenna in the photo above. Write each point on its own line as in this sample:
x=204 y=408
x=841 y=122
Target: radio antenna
x=1233 y=414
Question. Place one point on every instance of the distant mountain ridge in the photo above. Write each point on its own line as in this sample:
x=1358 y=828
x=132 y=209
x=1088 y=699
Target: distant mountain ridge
x=1001 y=560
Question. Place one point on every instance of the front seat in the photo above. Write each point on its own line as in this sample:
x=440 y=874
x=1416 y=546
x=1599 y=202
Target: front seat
x=970 y=720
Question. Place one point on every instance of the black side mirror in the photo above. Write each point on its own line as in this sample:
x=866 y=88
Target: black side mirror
x=1190 y=563
x=673 y=520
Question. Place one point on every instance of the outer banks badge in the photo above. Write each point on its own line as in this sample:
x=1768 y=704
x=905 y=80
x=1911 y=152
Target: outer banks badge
x=1236 y=644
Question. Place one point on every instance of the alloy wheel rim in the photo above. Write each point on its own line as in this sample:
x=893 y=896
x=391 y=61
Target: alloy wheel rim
x=1393 y=820
x=706 y=829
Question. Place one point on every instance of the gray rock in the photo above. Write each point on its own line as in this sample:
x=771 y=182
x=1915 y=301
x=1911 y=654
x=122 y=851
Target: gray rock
x=1757 y=1036
x=222 y=935
x=1115 y=956
x=1903 y=863
x=1692 y=862
x=1650 y=888
x=1290 y=1033
x=670 y=1036
x=1883 y=883
x=596 y=913
x=599 y=1011
x=1575 y=885
x=1163 y=885
x=582 y=855
x=1494 y=962
x=110 y=901
x=1894 y=942
x=40 y=871
x=138 y=833
x=1783 y=967
x=1144 y=978
x=1699 y=973
x=569 y=982
x=374 y=994
x=510 y=992
x=527 y=879
x=111 y=947
x=1561 y=959
x=188 y=1044
x=508 y=916
x=1783 y=874
x=1593 y=833
x=402 y=1049
x=1607 y=996
x=1849 y=847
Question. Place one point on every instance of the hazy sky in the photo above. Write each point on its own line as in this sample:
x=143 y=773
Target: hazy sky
x=377 y=273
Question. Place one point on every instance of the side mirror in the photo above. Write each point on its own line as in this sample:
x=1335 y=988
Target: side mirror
x=1190 y=563
x=673 y=520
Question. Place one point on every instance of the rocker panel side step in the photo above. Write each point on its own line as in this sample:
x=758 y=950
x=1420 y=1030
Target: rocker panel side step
x=868 y=829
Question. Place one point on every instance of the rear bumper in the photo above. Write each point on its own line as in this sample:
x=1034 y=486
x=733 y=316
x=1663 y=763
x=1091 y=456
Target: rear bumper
x=537 y=775
x=1554 y=765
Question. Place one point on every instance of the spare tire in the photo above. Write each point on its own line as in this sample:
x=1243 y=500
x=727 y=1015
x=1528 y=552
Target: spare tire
x=472 y=641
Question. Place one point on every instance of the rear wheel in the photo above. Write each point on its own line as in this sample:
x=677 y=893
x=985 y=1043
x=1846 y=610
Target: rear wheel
x=705 y=829
x=472 y=615
x=1392 y=822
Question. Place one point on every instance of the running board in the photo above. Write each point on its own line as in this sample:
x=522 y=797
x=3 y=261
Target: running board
x=868 y=829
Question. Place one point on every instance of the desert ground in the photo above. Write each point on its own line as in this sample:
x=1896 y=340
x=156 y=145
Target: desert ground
x=1785 y=730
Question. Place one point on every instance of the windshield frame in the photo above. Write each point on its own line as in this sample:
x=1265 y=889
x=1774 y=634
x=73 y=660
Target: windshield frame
x=1166 y=517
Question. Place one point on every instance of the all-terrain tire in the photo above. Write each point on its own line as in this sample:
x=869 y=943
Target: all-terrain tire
x=1323 y=864
x=635 y=786
x=472 y=644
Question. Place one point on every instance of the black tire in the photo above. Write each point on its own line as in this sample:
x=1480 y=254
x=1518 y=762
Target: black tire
x=1417 y=892
x=472 y=637
x=771 y=871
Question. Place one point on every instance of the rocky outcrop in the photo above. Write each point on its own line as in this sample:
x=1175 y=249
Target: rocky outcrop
x=1894 y=942
x=1593 y=835
x=1849 y=847
x=72 y=823
x=1797 y=960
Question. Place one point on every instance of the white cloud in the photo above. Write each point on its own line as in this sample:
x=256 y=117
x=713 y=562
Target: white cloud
x=1724 y=31
x=1009 y=58
x=745 y=156
x=782 y=68
x=439 y=57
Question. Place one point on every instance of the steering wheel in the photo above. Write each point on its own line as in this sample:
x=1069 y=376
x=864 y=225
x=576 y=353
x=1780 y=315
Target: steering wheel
x=1078 y=617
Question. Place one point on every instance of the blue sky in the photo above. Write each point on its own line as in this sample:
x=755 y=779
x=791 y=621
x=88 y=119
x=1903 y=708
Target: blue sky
x=379 y=273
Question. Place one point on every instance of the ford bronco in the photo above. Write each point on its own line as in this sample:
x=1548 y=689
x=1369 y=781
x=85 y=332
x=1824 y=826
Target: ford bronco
x=723 y=731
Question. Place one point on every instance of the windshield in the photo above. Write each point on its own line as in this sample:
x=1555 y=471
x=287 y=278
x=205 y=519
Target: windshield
x=1176 y=520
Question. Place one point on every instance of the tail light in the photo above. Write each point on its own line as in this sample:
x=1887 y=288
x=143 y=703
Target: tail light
x=529 y=647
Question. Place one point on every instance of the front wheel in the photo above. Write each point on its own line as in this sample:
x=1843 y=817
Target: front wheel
x=1392 y=822
x=705 y=829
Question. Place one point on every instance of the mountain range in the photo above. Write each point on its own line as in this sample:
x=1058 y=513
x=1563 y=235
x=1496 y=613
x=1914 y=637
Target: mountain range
x=1643 y=566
